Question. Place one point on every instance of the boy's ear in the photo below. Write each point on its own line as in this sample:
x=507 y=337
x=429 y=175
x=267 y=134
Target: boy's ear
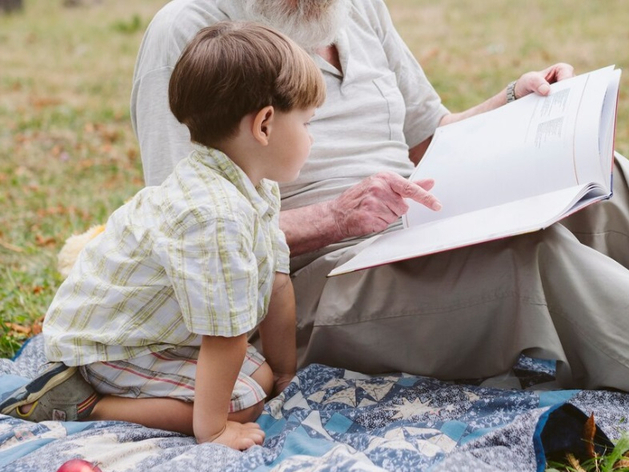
x=263 y=124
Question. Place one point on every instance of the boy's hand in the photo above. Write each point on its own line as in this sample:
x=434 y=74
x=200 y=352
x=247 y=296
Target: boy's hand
x=280 y=382
x=240 y=436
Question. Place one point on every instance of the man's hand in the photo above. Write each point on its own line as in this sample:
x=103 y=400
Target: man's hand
x=539 y=81
x=240 y=436
x=373 y=204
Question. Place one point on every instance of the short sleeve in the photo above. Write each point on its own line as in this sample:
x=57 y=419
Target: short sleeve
x=424 y=109
x=282 y=252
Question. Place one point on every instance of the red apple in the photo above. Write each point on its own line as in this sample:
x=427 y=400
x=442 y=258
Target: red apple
x=78 y=465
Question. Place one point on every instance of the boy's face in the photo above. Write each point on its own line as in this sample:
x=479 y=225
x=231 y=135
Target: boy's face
x=290 y=144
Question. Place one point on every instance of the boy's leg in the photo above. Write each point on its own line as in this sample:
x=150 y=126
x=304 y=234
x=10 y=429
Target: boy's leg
x=61 y=393
x=136 y=388
x=159 y=413
x=174 y=415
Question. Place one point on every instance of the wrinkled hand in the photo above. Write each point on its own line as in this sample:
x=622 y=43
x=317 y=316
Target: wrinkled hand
x=539 y=81
x=371 y=205
x=240 y=436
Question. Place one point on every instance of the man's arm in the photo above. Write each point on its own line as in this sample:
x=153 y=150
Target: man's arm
x=277 y=333
x=371 y=205
x=531 y=82
x=368 y=207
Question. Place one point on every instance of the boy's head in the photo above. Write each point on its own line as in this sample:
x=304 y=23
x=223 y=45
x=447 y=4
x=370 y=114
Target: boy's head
x=232 y=69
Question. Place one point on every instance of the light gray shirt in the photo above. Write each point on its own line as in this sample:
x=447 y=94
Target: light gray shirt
x=379 y=105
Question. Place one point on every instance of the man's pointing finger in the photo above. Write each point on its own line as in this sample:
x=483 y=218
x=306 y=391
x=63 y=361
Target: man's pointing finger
x=414 y=191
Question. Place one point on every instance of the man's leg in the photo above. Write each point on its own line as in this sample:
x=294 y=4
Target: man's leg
x=469 y=313
x=604 y=226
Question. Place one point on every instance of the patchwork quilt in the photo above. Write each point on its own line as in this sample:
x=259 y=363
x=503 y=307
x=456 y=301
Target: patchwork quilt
x=329 y=419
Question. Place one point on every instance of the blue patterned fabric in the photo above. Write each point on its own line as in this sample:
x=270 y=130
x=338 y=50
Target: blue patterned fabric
x=326 y=420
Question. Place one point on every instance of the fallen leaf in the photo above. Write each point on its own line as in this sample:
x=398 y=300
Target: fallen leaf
x=589 y=431
x=10 y=247
x=574 y=463
x=36 y=328
x=41 y=102
x=19 y=329
x=43 y=241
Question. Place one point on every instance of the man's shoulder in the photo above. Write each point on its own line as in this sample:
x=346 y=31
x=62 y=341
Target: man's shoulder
x=174 y=25
x=179 y=14
x=372 y=14
x=370 y=8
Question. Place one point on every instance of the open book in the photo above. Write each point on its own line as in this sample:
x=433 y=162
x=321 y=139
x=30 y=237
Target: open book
x=513 y=170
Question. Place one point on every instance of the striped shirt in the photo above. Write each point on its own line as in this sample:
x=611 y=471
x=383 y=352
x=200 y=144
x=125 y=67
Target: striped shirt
x=195 y=256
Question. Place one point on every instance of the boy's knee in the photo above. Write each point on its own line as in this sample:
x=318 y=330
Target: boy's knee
x=264 y=377
x=248 y=415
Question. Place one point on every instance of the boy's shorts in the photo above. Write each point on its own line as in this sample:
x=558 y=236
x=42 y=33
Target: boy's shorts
x=171 y=374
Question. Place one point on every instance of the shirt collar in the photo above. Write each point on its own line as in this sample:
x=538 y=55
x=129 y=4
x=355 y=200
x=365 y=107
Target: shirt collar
x=265 y=198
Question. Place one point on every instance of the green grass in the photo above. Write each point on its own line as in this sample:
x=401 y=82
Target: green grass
x=615 y=461
x=68 y=156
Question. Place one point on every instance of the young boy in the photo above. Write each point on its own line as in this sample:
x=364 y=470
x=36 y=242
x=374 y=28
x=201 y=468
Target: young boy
x=155 y=314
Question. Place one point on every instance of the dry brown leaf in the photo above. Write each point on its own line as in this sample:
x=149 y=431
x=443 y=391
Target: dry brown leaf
x=10 y=247
x=43 y=241
x=37 y=327
x=85 y=163
x=19 y=329
x=621 y=463
x=41 y=102
x=589 y=431
x=574 y=463
x=109 y=135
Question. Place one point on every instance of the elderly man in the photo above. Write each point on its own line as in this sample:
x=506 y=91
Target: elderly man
x=461 y=314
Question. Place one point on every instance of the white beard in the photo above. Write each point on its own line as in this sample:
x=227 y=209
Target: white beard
x=310 y=23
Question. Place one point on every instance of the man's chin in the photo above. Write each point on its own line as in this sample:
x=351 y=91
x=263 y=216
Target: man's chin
x=309 y=28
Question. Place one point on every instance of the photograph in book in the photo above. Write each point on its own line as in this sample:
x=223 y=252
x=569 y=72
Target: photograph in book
x=513 y=170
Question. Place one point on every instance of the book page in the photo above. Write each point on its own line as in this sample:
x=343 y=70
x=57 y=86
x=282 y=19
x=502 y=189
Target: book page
x=600 y=99
x=510 y=171
x=517 y=217
x=519 y=150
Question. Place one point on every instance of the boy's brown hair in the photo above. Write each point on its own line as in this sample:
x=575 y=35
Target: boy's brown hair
x=232 y=69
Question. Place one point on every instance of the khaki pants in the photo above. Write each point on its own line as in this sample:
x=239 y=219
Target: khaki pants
x=561 y=293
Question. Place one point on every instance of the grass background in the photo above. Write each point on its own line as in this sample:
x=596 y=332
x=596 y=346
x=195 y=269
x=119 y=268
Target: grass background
x=68 y=156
